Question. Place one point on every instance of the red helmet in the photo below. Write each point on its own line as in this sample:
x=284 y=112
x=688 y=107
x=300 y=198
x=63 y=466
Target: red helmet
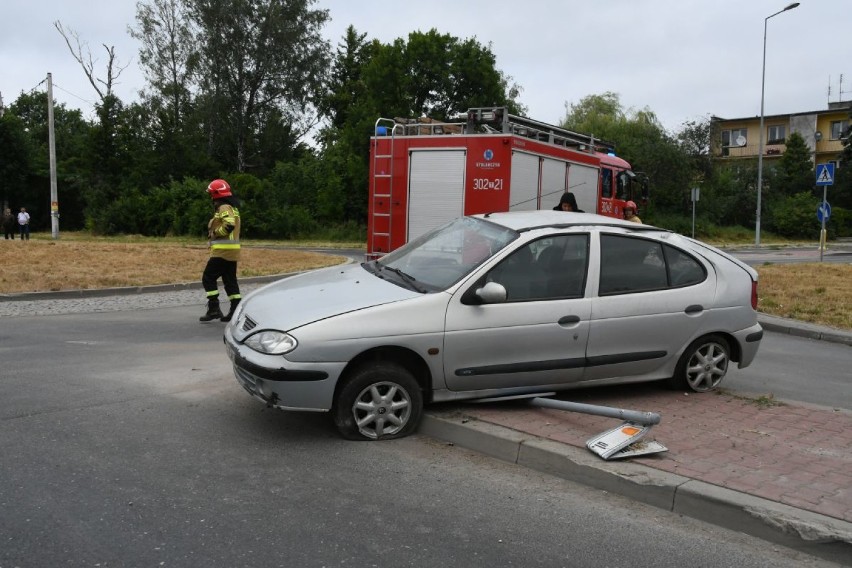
x=628 y=205
x=218 y=189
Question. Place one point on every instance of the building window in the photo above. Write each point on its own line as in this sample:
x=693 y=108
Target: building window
x=736 y=137
x=776 y=135
x=838 y=129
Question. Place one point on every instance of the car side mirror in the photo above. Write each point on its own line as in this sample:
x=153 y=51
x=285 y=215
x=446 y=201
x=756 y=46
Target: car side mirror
x=492 y=293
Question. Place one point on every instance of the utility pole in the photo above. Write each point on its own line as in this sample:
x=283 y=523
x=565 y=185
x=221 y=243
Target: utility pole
x=51 y=142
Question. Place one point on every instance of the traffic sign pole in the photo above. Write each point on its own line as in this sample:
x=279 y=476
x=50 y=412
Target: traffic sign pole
x=822 y=235
x=825 y=178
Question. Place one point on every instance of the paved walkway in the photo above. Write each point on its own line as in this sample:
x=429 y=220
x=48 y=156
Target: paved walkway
x=778 y=470
x=793 y=454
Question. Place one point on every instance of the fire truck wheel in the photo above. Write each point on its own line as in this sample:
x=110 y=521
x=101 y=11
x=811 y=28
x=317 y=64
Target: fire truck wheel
x=378 y=401
x=703 y=364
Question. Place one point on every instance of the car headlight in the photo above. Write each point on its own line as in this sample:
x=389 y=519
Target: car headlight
x=271 y=342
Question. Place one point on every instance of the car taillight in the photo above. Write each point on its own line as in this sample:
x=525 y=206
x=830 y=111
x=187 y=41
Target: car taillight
x=754 y=294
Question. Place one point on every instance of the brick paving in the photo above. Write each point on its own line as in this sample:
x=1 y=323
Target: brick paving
x=792 y=453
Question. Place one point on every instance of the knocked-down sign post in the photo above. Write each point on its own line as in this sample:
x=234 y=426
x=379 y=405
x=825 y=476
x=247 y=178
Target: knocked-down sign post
x=620 y=442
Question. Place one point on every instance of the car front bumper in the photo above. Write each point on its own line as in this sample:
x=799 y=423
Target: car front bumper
x=281 y=383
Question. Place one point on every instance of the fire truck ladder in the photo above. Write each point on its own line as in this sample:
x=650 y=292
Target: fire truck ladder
x=385 y=133
x=497 y=119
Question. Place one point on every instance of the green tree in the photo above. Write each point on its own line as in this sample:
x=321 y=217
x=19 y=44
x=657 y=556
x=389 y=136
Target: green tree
x=175 y=145
x=70 y=132
x=427 y=74
x=694 y=141
x=436 y=75
x=641 y=140
x=795 y=170
x=167 y=55
x=345 y=87
x=260 y=60
x=14 y=160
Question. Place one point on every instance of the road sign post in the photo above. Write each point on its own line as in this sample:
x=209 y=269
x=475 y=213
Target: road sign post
x=695 y=195
x=824 y=178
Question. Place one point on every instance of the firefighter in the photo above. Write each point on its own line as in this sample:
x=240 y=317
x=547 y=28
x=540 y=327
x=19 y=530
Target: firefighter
x=630 y=212
x=223 y=232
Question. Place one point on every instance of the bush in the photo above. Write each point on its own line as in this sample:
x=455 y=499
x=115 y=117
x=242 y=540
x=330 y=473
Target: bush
x=795 y=216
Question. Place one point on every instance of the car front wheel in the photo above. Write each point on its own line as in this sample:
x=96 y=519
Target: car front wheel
x=703 y=365
x=380 y=401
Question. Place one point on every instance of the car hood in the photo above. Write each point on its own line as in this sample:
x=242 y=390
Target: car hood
x=293 y=302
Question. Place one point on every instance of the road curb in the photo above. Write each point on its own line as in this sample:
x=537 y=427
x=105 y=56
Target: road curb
x=127 y=290
x=804 y=329
x=812 y=533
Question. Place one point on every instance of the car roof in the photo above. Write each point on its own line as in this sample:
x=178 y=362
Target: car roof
x=526 y=220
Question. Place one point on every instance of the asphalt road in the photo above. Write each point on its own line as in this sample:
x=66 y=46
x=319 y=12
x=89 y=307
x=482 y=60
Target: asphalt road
x=125 y=441
x=794 y=368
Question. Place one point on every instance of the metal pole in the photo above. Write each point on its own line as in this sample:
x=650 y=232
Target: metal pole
x=823 y=240
x=693 y=213
x=51 y=142
x=645 y=418
x=760 y=134
x=760 y=138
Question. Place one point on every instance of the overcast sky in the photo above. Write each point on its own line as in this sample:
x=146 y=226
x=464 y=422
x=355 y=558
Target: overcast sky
x=682 y=59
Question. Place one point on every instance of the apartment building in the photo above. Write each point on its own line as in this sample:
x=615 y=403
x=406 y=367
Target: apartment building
x=824 y=132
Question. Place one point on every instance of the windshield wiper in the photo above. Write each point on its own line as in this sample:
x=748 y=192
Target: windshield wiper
x=411 y=280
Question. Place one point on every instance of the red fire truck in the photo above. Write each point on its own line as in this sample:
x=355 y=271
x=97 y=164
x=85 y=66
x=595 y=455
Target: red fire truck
x=424 y=173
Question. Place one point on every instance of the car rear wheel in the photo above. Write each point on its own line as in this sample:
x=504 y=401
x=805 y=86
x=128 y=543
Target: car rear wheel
x=703 y=365
x=380 y=401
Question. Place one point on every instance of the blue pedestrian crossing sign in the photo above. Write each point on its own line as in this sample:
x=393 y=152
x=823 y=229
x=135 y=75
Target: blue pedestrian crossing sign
x=825 y=174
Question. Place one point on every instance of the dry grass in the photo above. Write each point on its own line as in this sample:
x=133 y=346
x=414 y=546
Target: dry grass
x=819 y=293
x=46 y=265
x=816 y=292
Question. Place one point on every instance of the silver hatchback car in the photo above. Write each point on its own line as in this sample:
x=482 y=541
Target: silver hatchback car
x=491 y=305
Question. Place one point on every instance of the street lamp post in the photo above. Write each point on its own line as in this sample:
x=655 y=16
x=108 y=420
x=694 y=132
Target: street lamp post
x=760 y=135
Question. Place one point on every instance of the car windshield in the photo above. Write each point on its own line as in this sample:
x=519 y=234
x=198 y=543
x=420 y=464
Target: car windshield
x=439 y=259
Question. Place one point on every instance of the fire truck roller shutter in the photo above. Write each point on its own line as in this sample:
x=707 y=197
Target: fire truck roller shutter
x=523 y=188
x=583 y=183
x=435 y=189
x=554 y=176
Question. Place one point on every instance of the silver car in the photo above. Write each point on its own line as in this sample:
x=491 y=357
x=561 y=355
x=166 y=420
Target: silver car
x=491 y=305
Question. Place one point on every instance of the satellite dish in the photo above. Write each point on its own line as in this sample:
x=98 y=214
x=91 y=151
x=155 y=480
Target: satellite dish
x=741 y=141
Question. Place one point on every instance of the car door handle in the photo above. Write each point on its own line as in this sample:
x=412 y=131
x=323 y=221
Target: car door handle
x=694 y=309
x=568 y=320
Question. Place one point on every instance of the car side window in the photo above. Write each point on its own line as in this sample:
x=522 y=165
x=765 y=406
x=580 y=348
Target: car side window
x=547 y=269
x=631 y=264
x=606 y=183
x=683 y=269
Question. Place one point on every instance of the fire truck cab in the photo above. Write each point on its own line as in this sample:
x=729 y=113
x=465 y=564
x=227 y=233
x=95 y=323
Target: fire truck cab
x=424 y=173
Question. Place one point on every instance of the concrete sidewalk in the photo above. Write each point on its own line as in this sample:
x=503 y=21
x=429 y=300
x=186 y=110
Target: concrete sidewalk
x=781 y=471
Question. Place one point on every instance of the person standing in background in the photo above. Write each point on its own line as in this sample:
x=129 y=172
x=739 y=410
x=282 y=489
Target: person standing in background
x=24 y=223
x=9 y=223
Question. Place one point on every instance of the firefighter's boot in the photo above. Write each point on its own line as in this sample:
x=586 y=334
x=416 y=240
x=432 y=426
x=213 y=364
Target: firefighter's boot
x=234 y=304
x=213 y=311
